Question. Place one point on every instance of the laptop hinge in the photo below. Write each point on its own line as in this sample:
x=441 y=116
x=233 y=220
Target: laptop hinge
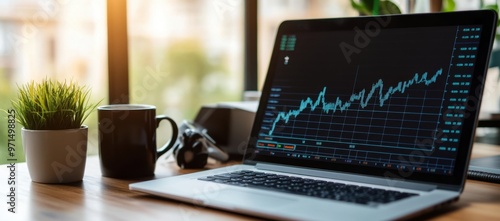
x=347 y=177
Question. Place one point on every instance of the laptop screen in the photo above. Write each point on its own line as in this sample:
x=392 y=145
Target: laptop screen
x=387 y=96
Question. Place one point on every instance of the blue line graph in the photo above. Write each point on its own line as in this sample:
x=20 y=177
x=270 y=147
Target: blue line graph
x=362 y=96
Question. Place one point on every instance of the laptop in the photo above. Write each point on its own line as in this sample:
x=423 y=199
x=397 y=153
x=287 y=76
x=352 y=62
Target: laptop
x=362 y=118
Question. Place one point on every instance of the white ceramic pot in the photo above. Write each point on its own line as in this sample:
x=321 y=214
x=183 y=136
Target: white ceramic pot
x=55 y=156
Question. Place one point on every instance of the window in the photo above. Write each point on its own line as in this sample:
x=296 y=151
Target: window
x=64 y=40
x=192 y=49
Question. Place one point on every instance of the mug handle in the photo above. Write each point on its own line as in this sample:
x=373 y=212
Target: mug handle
x=175 y=133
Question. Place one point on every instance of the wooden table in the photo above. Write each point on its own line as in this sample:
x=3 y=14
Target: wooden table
x=99 y=198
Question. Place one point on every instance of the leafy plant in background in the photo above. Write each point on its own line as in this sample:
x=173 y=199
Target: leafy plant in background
x=493 y=7
x=52 y=105
x=384 y=7
x=375 y=7
x=449 y=5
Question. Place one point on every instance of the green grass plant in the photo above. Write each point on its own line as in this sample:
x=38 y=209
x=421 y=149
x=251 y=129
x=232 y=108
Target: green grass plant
x=52 y=105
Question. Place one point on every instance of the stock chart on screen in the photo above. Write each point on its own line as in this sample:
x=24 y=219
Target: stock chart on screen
x=371 y=98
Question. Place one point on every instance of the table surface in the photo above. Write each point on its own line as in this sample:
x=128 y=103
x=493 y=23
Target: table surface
x=100 y=198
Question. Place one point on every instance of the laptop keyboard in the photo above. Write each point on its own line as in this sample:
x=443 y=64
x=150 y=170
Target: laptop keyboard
x=309 y=187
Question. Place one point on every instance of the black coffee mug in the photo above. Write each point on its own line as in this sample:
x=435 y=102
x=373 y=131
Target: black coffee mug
x=127 y=140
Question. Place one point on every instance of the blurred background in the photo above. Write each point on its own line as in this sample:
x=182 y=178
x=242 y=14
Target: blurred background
x=194 y=49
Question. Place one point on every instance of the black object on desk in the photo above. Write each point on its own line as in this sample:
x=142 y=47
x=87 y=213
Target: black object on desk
x=489 y=120
x=229 y=124
x=485 y=169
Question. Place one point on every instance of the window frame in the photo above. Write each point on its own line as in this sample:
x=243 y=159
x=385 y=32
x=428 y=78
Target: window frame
x=118 y=65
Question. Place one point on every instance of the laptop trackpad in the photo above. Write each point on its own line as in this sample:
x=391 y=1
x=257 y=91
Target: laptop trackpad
x=242 y=197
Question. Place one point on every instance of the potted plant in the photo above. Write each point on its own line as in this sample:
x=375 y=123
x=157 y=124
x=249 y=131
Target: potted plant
x=53 y=135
